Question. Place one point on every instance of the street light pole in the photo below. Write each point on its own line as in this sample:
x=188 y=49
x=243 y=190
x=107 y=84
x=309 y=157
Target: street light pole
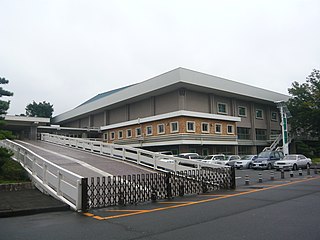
x=285 y=113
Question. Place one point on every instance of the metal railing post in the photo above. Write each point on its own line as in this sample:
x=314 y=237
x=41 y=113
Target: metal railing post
x=233 y=178
x=84 y=194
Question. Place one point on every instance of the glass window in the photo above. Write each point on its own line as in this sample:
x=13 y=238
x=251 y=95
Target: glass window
x=149 y=130
x=274 y=116
x=105 y=136
x=261 y=134
x=205 y=127
x=230 y=129
x=190 y=126
x=222 y=108
x=120 y=134
x=112 y=135
x=129 y=133
x=243 y=133
x=161 y=129
x=218 y=128
x=174 y=127
x=259 y=114
x=138 y=132
x=242 y=111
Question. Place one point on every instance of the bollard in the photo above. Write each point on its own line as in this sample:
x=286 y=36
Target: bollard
x=282 y=174
x=291 y=173
x=300 y=172
x=260 y=177
x=272 y=175
x=308 y=169
x=247 y=180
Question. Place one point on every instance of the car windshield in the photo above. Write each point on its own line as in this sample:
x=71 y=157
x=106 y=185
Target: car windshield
x=247 y=157
x=208 y=157
x=219 y=157
x=264 y=155
x=290 y=157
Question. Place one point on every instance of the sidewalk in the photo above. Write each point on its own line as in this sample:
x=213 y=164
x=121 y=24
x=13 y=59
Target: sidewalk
x=27 y=202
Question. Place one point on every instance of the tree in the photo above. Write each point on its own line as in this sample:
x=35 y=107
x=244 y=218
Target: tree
x=4 y=105
x=304 y=105
x=41 y=109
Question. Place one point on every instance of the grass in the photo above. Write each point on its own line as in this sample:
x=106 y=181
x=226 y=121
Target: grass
x=316 y=160
x=5 y=181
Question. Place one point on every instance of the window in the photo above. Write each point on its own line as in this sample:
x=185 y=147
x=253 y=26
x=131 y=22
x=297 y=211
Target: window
x=222 y=108
x=190 y=126
x=243 y=133
x=205 y=152
x=205 y=127
x=274 y=116
x=105 y=136
x=138 y=132
x=259 y=113
x=112 y=135
x=161 y=129
x=218 y=128
x=261 y=134
x=230 y=129
x=242 y=111
x=120 y=134
x=129 y=133
x=149 y=130
x=174 y=127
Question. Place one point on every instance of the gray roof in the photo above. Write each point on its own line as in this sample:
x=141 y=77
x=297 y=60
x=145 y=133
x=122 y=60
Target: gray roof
x=171 y=80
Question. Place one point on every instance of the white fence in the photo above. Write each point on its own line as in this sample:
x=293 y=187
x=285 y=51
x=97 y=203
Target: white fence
x=48 y=177
x=146 y=158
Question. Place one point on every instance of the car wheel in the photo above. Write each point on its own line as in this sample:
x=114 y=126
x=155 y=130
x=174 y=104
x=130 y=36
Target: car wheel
x=308 y=165
x=250 y=165
x=269 y=166
x=295 y=167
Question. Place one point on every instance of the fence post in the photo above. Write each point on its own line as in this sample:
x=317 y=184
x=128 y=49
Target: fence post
x=84 y=194
x=168 y=183
x=233 y=178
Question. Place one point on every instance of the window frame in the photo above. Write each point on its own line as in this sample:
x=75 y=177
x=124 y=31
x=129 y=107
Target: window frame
x=208 y=127
x=129 y=135
x=158 y=128
x=215 y=128
x=245 y=110
x=171 y=128
x=149 y=127
x=138 y=129
x=259 y=110
x=112 y=135
x=276 y=116
x=193 y=123
x=226 y=108
x=232 y=127
x=120 y=137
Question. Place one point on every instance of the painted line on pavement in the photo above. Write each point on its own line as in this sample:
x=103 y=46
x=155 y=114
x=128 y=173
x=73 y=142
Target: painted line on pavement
x=137 y=212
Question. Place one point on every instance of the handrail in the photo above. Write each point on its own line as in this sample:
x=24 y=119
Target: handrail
x=47 y=176
x=156 y=161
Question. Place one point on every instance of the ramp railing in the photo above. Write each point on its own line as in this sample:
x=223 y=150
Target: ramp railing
x=49 y=177
x=156 y=161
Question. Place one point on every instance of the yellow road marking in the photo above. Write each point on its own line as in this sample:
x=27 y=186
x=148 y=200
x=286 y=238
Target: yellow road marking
x=136 y=212
x=175 y=202
x=129 y=210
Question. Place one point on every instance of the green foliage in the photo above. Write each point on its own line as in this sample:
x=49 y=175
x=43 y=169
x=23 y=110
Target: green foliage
x=305 y=105
x=9 y=169
x=4 y=134
x=41 y=109
x=4 y=105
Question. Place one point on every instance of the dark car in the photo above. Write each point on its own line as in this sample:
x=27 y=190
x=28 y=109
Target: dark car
x=266 y=159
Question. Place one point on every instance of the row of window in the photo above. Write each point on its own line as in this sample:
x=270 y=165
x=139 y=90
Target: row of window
x=242 y=112
x=174 y=128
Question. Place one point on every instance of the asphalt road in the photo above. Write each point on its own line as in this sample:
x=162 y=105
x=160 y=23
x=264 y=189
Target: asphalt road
x=282 y=209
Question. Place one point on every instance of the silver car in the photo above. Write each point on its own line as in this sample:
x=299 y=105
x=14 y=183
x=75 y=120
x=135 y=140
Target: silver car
x=245 y=161
x=293 y=162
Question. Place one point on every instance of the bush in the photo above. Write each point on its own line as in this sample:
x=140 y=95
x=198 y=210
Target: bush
x=12 y=170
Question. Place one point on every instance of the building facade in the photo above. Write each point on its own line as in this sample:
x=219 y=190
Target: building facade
x=183 y=111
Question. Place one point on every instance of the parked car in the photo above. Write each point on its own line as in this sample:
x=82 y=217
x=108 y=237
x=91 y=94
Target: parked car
x=266 y=159
x=245 y=161
x=229 y=160
x=194 y=156
x=212 y=159
x=293 y=162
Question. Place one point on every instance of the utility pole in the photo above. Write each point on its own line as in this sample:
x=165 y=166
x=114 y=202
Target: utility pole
x=285 y=114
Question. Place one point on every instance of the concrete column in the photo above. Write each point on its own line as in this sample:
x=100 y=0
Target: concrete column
x=212 y=106
x=33 y=132
x=182 y=98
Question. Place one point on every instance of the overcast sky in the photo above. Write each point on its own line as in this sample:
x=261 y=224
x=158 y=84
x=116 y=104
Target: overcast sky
x=67 y=51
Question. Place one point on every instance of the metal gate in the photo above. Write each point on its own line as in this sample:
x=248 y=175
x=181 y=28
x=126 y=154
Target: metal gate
x=138 y=188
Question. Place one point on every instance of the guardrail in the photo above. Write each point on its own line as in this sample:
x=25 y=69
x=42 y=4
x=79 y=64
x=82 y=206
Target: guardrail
x=146 y=158
x=49 y=177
